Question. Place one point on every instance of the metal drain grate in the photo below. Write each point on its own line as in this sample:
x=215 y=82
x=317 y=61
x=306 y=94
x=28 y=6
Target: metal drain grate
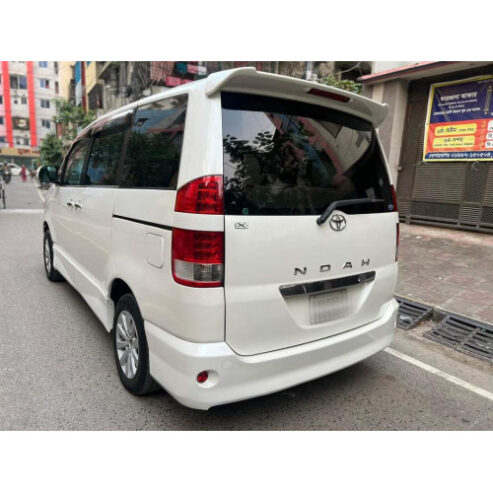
x=465 y=335
x=411 y=313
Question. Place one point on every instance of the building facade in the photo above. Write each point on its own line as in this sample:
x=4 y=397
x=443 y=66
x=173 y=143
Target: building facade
x=439 y=140
x=27 y=90
x=104 y=86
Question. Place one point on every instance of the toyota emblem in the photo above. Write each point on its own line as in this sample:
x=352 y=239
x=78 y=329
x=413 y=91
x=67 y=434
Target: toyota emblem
x=337 y=222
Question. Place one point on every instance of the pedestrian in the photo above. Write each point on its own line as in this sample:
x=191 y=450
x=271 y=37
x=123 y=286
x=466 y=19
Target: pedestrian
x=23 y=173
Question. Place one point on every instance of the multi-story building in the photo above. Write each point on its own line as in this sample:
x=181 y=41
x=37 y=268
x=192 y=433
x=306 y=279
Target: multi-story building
x=27 y=90
x=104 y=86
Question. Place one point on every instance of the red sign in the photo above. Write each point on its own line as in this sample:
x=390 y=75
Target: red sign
x=196 y=69
x=176 y=81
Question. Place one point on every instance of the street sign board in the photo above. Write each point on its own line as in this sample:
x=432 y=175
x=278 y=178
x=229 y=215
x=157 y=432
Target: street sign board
x=459 y=123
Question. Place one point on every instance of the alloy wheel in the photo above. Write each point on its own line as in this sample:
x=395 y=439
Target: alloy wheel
x=127 y=344
x=47 y=255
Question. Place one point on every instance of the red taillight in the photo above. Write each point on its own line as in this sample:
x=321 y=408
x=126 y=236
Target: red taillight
x=394 y=198
x=395 y=209
x=329 y=95
x=201 y=196
x=397 y=232
x=198 y=258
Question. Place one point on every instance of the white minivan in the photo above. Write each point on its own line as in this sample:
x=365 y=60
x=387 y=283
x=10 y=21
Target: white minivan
x=238 y=235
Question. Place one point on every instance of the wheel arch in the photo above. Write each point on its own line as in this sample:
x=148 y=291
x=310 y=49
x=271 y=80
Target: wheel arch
x=48 y=229
x=118 y=287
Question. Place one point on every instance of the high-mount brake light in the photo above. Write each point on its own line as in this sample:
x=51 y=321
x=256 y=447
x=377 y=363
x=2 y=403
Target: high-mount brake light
x=198 y=258
x=329 y=95
x=201 y=196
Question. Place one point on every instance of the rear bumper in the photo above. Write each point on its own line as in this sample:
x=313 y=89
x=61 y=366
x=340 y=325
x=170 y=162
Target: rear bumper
x=175 y=363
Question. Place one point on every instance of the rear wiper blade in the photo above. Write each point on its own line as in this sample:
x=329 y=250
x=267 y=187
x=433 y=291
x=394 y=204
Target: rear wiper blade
x=337 y=203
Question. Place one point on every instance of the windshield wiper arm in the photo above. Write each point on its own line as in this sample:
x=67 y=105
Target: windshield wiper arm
x=337 y=203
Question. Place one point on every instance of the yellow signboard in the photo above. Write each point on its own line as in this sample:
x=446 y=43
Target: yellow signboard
x=469 y=128
x=14 y=151
x=454 y=142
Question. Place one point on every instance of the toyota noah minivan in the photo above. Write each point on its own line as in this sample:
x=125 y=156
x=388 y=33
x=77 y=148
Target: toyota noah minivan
x=237 y=235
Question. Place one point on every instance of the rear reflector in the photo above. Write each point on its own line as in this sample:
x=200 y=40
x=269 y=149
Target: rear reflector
x=202 y=377
x=329 y=95
x=201 y=196
x=198 y=258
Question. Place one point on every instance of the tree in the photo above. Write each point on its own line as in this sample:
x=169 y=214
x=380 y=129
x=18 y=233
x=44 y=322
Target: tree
x=347 y=85
x=51 y=151
x=71 y=119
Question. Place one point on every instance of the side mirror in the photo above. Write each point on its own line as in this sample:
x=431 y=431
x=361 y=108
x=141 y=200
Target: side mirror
x=48 y=174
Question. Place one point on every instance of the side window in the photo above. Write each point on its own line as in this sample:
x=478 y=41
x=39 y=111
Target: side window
x=75 y=163
x=155 y=144
x=105 y=157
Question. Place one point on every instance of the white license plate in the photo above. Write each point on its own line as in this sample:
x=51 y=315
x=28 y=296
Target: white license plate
x=328 y=306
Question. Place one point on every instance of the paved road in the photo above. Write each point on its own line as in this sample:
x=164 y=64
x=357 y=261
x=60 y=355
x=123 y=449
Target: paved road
x=57 y=371
x=22 y=195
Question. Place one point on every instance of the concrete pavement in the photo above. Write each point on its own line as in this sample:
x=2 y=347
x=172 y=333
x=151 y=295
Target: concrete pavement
x=57 y=371
x=450 y=270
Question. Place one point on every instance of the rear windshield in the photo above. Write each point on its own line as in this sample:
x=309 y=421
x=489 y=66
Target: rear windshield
x=288 y=158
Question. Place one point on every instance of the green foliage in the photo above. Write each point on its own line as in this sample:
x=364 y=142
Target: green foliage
x=51 y=151
x=71 y=119
x=347 y=85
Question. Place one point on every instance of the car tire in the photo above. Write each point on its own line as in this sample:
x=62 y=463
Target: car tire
x=130 y=347
x=51 y=273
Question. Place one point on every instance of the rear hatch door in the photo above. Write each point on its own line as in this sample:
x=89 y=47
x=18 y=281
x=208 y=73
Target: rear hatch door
x=288 y=279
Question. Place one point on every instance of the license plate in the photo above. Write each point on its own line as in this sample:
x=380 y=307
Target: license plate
x=328 y=306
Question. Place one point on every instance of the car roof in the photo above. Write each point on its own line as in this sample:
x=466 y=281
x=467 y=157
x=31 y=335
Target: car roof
x=249 y=80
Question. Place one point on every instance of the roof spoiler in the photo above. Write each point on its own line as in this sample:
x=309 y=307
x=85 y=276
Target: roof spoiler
x=247 y=79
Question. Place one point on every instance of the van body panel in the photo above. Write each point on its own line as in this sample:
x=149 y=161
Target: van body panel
x=148 y=205
x=62 y=220
x=202 y=145
x=94 y=219
x=193 y=316
x=263 y=258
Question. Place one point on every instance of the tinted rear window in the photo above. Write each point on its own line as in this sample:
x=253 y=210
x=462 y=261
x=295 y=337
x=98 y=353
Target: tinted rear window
x=289 y=158
x=155 y=144
x=104 y=159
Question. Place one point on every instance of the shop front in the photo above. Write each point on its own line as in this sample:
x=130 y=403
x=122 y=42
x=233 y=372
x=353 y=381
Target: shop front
x=444 y=169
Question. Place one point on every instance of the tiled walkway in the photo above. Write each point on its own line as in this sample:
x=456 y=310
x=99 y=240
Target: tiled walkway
x=448 y=269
